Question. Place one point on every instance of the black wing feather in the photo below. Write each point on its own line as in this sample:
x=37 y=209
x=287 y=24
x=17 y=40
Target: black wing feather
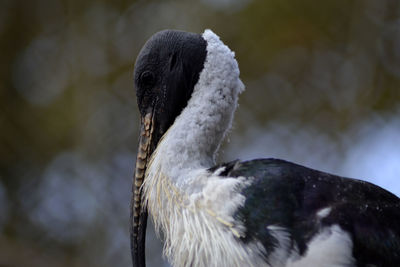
x=289 y=195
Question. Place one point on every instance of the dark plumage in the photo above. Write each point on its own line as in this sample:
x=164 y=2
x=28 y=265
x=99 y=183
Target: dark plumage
x=290 y=195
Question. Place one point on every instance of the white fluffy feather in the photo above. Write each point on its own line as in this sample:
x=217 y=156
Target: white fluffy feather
x=193 y=207
x=332 y=247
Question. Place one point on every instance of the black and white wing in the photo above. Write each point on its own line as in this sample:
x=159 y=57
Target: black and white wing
x=305 y=204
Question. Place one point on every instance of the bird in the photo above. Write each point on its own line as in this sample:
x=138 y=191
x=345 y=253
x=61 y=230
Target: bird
x=260 y=212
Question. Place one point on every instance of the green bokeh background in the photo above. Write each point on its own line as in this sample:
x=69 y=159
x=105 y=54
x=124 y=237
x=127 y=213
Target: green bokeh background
x=322 y=89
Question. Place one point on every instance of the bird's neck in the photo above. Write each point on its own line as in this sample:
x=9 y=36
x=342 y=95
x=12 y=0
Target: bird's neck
x=180 y=193
x=191 y=206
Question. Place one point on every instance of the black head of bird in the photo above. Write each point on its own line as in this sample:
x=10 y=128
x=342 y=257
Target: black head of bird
x=264 y=212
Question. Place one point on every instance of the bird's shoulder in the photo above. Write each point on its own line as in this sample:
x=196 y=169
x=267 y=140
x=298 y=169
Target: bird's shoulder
x=304 y=201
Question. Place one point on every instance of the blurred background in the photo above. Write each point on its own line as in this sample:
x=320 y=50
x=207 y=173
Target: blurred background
x=322 y=89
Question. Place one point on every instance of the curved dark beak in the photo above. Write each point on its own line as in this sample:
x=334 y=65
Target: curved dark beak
x=138 y=216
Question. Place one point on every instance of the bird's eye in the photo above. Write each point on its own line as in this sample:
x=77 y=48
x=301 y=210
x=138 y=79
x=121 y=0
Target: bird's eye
x=147 y=78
